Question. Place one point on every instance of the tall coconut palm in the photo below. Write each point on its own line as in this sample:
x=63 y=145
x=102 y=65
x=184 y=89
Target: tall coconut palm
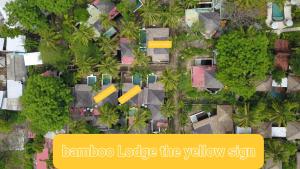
x=279 y=150
x=141 y=59
x=107 y=45
x=108 y=115
x=281 y=113
x=83 y=35
x=129 y=30
x=169 y=79
x=78 y=127
x=50 y=37
x=168 y=109
x=246 y=116
x=151 y=12
x=173 y=16
x=85 y=65
x=140 y=120
x=190 y=3
x=109 y=65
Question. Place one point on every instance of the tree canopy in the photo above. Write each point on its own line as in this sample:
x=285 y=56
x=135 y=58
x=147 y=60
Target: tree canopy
x=46 y=103
x=243 y=60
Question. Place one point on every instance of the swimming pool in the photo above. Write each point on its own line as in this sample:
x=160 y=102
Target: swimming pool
x=277 y=13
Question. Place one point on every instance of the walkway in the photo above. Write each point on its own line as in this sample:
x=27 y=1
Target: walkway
x=278 y=32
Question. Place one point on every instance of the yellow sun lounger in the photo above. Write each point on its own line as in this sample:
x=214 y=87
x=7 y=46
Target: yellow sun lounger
x=160 y=44
x=130 y=94
x=105 y=93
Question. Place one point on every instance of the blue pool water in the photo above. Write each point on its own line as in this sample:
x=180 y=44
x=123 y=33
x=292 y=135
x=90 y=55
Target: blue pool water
x=277 y=13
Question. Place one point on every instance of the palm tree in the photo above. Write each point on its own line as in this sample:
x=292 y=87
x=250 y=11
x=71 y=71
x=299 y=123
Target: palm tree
x=84 y=64
x=279 y=150
x=108 y=115
x=106 y=22
x=281 y=113
x=141 y=59
x=107 y=45
x=50 y=37
x=141 y=117
x=151 y=12
x=83 y=35
x=170 y=79
x=129 y=30
x=246 y=116
x=168 y=109
x=190 y=3
x=248 y=4
x=173 y=16
x=78 y=127
x=109 y=65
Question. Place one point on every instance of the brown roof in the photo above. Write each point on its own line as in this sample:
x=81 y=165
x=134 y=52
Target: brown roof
x=293 y=130
x=265 y=129
x=264 y=86
x=282 y=46
x=282 y=61
x=221 y=123
x=293 y=83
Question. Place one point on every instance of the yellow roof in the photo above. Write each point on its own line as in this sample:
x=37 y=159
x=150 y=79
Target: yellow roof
x=105 y=93
x=160 y=44
x=130 y=94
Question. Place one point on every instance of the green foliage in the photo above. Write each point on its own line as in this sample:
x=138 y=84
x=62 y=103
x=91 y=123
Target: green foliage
x=151 y=13
x=5 y=31
x=81 y=14
x=250 y=115
x=283 y=112
x=8 y=119
x=109 y=115
x=12 y=159
x=126 y=8
x=277 y=75
x=78 y=127
x=295 y=61
x=172 y=17
x=243 y=60
x=168 y=109
x=57 y=56
x=27 y=14
x=129 y=30
x=141 y=116
x=31 y=44
x=170 y=79
x=190 y=52
x=82 y=35
x=279 y=150
x=46 y=103
x=58 y=7
x=109 y=65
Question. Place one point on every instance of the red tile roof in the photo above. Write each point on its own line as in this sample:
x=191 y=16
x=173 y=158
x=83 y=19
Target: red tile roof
x=41 y=159
x=282 y=46
x=198 y=76
x=113 y=13
x=128 y=60
x=282 y=61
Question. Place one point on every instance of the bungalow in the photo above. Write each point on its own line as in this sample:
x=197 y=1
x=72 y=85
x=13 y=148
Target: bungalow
x=205 y=13
x=95 y=10
x=216 y=123
x=83 y=96
x=157 y=44
x=203 y=76
x=269 y=130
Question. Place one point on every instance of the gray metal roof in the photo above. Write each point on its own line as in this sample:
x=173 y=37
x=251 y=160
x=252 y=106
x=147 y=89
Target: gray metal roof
x=83 y=96
x=16 y=69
